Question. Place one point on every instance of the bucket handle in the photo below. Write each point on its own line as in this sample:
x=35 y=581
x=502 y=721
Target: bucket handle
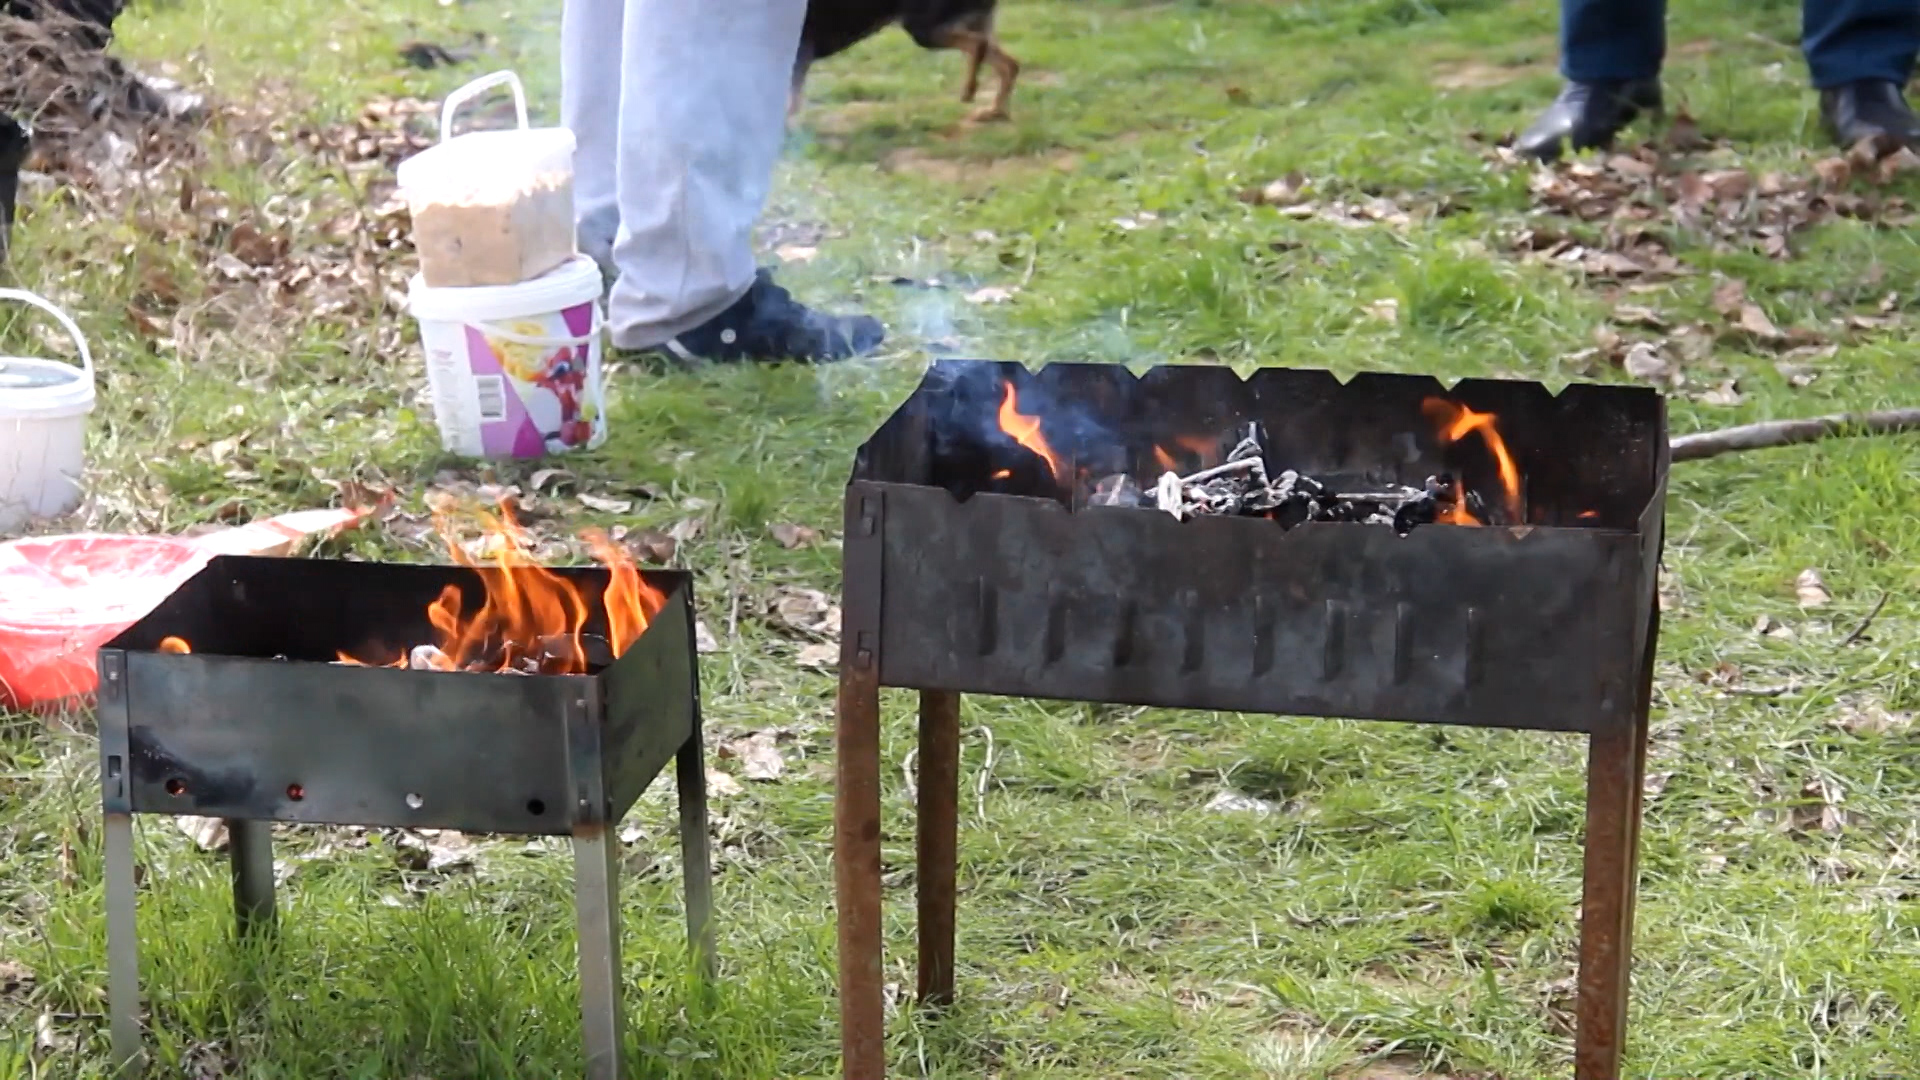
x=477 y=87
x=59 y=316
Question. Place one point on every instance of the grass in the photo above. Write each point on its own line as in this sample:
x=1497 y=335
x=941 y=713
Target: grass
x=1409 y=911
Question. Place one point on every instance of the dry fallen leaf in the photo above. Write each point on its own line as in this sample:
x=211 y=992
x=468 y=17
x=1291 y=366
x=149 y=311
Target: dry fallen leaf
x=1387 y=310
x=794 y=536
x=809 y=611
x=1287 y=189
x=991 y=294
x=703 y=640
x=1818 y=808
x=818 y=655
x=1644 y=361
x=722 y=785
x=796 y=253
x=1768 y=626
x=1811 y=591
x=1233 y=802
x=759 y=756
x=15 y=978
x=1729 y=297
x=207 y=833
x=687 y=529
x=1798 y=374
x=1872 y=718
x=1754 y=321
x=603 y=504
x=1726 y=395
x=48 y=1039
x=653 y=546
x=1635 y=315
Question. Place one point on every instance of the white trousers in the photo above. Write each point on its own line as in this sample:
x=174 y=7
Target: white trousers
x=679 y=107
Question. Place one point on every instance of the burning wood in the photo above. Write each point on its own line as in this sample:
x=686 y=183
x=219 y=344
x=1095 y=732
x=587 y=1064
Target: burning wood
x=1241 y=487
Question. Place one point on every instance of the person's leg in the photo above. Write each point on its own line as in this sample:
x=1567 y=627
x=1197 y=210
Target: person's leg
x=703 y=106
x=1604 y=41
x=1610 y=53
x=1849 y=41
x=590 y=56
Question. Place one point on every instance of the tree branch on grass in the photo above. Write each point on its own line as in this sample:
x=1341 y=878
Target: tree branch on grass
x=1708 y=444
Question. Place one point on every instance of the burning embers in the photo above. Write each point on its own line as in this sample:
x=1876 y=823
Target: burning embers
x=531 y=620
x=1244 y=483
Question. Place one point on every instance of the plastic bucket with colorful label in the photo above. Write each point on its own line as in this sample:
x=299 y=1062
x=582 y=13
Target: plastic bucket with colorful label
x=43 y=426
x=514 y=370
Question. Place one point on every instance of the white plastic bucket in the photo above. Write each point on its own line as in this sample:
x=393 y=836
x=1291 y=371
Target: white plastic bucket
x=43 y=426
x=514 y=370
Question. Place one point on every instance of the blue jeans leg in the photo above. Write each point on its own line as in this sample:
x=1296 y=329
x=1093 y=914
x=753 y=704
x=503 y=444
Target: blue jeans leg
x=1855 y=40
x=1613 y=40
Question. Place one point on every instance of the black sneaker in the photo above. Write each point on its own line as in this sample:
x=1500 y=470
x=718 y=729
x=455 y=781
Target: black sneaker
x=768 y=325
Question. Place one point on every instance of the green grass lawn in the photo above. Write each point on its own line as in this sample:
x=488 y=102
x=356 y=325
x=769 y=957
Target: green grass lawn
x=1408 y=909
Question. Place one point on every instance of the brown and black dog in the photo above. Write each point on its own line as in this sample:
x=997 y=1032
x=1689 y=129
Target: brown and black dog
x=833 y=26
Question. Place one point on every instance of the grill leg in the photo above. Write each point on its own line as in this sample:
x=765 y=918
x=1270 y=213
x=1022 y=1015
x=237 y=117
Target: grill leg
x=596 y=904
x=123 y=949
x=691 y=775
x=856 y=873
x=1616 y=775
x=938 y=855
x=250 y=851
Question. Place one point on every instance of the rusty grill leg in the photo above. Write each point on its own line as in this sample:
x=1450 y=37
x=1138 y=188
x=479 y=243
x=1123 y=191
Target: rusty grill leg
x=691 y=775
x=856 y=872
x=123 y=949
x=250 y=852
x=936 y=871
x=1616 y=775
x=596 y=901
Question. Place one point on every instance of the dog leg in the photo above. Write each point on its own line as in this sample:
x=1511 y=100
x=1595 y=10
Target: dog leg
x=976 y=55
x=1007 y=69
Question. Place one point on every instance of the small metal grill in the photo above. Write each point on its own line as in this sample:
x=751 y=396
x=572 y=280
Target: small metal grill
x=972 y=565
x=258 y=725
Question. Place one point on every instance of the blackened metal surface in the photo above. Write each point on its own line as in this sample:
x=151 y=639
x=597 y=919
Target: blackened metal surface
x=1591 y=456
x=1025 y=593
x=232 y=731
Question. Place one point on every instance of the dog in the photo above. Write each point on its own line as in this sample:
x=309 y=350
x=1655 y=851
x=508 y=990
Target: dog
x=833 y=26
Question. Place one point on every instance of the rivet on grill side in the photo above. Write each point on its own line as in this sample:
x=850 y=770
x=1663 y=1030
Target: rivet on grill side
x=1262 y=636
x=1123 y=636
x=1335 y=656
x=1402 y=642
x=988 y=616
x=1055 y=645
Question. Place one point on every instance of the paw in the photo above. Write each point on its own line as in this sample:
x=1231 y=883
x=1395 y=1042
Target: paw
x=992 y=114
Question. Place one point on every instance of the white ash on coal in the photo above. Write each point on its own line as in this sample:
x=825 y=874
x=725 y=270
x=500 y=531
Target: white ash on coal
x=1242 y=487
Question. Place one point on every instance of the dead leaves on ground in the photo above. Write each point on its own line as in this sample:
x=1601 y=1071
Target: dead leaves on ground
x=1639 y=194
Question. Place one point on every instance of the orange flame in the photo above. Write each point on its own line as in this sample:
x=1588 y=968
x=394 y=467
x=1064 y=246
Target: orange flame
x=1003 y=474
x=1458 y=514
x=1206 y=449
x=1165 y=460
x=1456 y=422
x=1026 y=430
x=530 y=609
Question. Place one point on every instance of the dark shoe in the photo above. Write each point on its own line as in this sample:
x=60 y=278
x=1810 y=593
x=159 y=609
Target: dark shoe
x=1588 y=115
x=1871 y=109
x=769 y=325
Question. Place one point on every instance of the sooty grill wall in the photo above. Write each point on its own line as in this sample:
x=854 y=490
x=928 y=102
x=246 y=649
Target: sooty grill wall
x=258 y=725
x=972 y=566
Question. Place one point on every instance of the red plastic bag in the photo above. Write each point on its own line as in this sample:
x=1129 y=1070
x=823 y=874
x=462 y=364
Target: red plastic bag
x=62 y=597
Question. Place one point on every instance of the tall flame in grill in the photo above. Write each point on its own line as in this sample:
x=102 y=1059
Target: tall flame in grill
x=1025 y=430
x=1456 y=422
x=531 y=611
